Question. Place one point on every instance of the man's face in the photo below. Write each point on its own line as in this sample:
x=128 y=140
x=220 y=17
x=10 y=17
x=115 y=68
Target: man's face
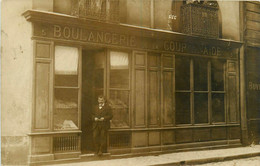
x=101 y=100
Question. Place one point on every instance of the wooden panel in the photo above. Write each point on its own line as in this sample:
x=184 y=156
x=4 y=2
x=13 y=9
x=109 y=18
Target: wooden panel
x=218 y=133
x=140 y=59
x=253 y=25
x=167 y=98
x=232 y=98
x=41 y=144
x=253 y=7
x=154 y=138
x=252 y=34
x=140 y=98
x=167 y=62
x=42 y=50
x=153 y=98
x=168 y=137
x=201 y=135
x=42 y=95
x=231 y=66
x=139 y=139
x=183 y=135
x=234 y=132
x=253 y=16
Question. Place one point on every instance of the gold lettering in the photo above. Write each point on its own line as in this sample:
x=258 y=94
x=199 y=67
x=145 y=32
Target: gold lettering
x=218 y=51
x=205 y=52
x=100 y=37
x=250 y=85
x=172 y=46
x=214 y=51
x=132 y=41
x=82 y=35
x=107 y=38
x=66 y=32
x=75 y=35
x=178 y=46
x=122 y=39
x=57 y=31
x=114 y=39
x=166 y=45
x=91 y=37
x=183 y=47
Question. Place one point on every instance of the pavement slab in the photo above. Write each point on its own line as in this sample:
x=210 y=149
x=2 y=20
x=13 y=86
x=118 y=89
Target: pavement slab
x=177 y=158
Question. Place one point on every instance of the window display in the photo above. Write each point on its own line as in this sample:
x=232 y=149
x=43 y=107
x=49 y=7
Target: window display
x=66 y=91
x=119 y=88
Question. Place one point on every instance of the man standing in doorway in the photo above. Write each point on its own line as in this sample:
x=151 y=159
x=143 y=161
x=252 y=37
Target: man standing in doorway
x=101 y=116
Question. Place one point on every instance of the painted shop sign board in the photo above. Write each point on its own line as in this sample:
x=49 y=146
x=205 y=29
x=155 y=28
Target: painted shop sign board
x=79 y=34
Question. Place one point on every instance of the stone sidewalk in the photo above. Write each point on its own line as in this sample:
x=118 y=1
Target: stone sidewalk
x=178 y=158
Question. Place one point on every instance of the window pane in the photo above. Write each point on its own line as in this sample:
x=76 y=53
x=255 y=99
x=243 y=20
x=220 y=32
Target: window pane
x=182 y=108
x=119 y=101
x=218 y=112
x=66 y=66
x=119 y=70
x=201 y=107
x=182 y=73
x=200 y=74
x=217 y=76
x=66 y=109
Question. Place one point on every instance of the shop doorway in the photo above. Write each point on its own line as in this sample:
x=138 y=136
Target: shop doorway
x=93 y=62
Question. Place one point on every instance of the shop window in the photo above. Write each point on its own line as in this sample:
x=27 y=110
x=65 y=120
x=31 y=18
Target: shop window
x=182 y=86
x=182 y=66
x=217 y=76
x=218 y=104
x=200 y=74
x=119 y=88
x=218 y=93
x=183 y=115
x=203 y=89
x=201 y=108
x=66 y=88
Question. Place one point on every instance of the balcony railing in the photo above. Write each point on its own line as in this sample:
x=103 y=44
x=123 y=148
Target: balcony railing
x=200 y=19
x=103 y=10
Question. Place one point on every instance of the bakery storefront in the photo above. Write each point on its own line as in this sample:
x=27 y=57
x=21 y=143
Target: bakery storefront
x=169 y=91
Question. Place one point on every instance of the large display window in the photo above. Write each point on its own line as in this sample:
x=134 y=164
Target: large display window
x=200 y=90
x=66 y=89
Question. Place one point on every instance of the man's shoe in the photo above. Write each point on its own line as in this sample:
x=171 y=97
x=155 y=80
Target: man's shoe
x=100 y=153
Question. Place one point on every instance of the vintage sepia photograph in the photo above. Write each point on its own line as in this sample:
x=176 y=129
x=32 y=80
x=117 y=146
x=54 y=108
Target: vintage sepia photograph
x=130 y=82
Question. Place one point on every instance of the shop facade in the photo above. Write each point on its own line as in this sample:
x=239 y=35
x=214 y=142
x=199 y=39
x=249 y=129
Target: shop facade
x=169 y=91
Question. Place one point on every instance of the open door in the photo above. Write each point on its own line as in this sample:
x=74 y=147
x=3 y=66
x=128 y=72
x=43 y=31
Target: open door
x=93 y=65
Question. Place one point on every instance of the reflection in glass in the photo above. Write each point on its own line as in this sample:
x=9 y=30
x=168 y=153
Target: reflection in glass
x=119 y=70
x=200 y=74
x=201 y=107
x=218 y=112
x=65 y=109
x=182 y=108
x=182 y=73
x=119 y=102
x=217 y=76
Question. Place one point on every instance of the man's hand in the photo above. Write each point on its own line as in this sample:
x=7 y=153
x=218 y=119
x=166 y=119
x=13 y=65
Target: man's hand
x=101 y=119
x=96 y=119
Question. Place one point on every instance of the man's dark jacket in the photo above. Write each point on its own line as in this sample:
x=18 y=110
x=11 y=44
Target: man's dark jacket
x=105 y=112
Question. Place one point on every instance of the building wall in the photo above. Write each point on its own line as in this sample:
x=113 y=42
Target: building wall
x=16 y=107
x=230 y=19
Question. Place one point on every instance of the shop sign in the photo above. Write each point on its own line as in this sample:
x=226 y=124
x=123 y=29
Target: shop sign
x=254 y=86
x=124 y=40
